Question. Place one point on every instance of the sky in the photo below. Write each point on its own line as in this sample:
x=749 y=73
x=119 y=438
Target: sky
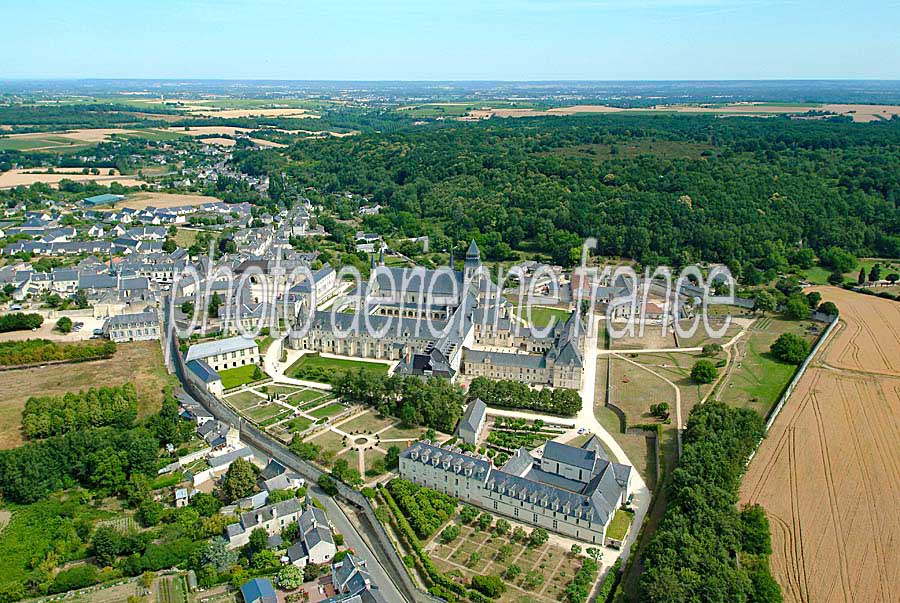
x=451 y=40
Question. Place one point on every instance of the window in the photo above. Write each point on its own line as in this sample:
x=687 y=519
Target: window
x=516 y=512
x=555 y=525
x=534 y=517
x=495 y=505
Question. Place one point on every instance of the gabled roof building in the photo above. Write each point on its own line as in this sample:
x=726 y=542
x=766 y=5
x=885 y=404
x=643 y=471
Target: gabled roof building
x=571 y=491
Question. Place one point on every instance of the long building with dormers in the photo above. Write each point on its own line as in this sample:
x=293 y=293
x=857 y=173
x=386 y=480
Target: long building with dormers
x=571 y=491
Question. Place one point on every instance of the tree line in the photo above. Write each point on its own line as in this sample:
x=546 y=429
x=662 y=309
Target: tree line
x=35 y=351
x=760 y=189
x=705 y=548
x=513 y=394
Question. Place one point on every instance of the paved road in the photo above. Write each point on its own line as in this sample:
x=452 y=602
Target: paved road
x=586 y=418
x=352 y=537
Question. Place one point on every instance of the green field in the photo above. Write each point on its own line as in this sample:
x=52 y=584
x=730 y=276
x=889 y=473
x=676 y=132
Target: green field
x=328 y=411
x=238 y=376
x=759 y=378
x=29 y=143
x=264 y=412
x=542 y=316
x=328 y=370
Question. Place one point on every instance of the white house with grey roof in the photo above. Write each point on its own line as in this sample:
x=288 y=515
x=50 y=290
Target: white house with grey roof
x=224 y=354
x=316 y=543
x=570 y=491
x=141 y=326
x=271 y=518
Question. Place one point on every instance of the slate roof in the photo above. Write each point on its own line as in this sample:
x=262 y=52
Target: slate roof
x=570 y=455
x=283 y=508
x=259 y=590
x=203 y=371
x=127 y=320
x=224 y=459
x=220 y=346
x=473 y=416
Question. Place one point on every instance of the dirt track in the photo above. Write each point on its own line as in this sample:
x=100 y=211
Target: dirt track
x=829 y=472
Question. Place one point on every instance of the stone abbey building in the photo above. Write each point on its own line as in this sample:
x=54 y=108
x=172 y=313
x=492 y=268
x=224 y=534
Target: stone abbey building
x=447 y=323
x=570 y=491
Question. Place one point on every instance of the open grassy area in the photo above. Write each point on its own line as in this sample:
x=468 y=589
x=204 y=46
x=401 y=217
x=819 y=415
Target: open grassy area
x=139 y=362
x=312 y=367
x=369 y=421
x=541 y=316
x=244 y=399
x=306 y=395
x=758 y=378
x=264 y=412
x=329 y=410
x=239 y=376
x=618 y=527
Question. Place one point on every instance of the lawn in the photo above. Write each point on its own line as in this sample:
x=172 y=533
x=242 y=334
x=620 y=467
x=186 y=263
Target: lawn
x=312 y=367
x=297 y=424
x=541 y=316
x=759 y=378
x=244 y=400
x=367 y=422
x=328 y=410
x=264 y=412
x=307 y=395
x=618 y=527
x=234 y=377
x=139 y=362
x=185 y=237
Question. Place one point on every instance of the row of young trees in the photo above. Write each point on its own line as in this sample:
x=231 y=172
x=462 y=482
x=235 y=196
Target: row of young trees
x=434 y=403
x=36 y=351
x=705 y=548
x=45 y=416
x=513 y=394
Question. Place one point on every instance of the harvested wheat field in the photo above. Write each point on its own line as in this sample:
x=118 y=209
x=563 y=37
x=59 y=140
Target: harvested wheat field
x=27 y=177
x=142 y=200
x=828 y=474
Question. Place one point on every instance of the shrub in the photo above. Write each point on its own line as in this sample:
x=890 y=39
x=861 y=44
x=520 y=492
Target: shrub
x=64 y=325
x=20 y=322
x=491 y=586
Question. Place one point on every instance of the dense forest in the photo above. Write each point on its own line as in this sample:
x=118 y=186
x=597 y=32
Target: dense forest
x=657 y=188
